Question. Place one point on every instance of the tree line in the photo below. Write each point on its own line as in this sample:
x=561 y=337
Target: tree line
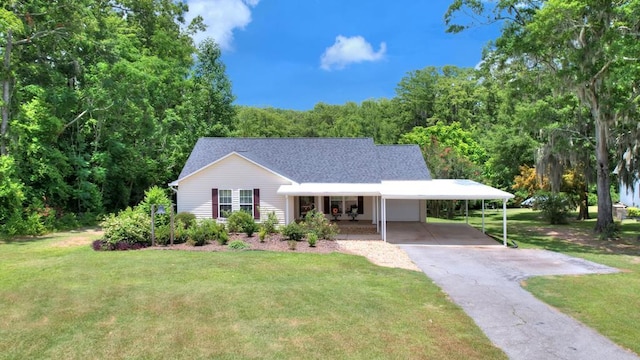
x=103 y=99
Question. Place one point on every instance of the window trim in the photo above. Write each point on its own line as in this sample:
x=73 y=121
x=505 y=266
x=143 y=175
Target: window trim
x=220 y=203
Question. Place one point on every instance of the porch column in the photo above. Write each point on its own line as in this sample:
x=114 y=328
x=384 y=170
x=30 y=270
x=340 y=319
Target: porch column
x=384 y=219
x=466 y=210
x=286 y=209
x=483 y=217
x=377 y=213
x=504 y=222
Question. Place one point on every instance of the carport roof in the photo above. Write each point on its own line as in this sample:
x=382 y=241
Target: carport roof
x=444 y=189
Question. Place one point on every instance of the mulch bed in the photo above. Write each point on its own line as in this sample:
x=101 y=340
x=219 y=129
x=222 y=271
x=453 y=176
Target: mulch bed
x=275 y=242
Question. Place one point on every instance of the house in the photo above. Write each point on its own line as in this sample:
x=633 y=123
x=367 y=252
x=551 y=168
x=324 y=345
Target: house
x=341 y=177
x=630 y=195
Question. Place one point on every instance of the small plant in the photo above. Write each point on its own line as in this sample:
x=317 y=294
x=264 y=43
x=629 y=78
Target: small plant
x=292 y=244
x=633 y=212
x=238 y=245
x=186 y=218
x=293 y=231
x=554 y=207
x=250 y=228
x=317 y=223
x=312 y=239
x=97 y=245
x=223 y=237
x=270 y=225
x=262 y=234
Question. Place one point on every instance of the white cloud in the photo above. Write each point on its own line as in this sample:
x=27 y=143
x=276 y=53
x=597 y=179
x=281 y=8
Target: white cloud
x=347 y=50
x=222 y=17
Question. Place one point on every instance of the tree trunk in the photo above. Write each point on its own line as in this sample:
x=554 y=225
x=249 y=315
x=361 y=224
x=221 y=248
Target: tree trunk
x=583 y=213
x=605 y=211
x=6 y=94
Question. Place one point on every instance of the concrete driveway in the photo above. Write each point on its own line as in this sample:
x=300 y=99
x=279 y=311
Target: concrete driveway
x=485 y=282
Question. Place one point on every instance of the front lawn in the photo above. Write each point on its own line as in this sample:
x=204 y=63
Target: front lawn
x=608 y=303
x=60 y=299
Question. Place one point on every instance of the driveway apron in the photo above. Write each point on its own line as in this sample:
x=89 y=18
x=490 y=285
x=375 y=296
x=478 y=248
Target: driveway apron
x=485 y=282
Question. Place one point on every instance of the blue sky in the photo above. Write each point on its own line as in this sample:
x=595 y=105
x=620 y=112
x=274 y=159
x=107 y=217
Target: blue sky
x=292 y=54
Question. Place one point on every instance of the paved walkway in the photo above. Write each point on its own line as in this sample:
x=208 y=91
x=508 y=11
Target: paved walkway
x=485 y=282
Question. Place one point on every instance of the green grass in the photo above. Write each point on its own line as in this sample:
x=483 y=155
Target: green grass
x=62 y=300
x=608 y=303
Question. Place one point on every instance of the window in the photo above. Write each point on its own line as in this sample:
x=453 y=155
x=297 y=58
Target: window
x=246 y=201
x=336 y=203
x=224 y=201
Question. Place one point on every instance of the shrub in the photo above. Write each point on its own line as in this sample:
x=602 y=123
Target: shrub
x=555 y=207
x=163 y=234
x=250 y=228
x=223 y=238
x=292 y=244
x=312 y=239
x=202 y=232
x=262 y=234
x=155 y=196
x=293 y=231
x=237 y=221
x=238 y=245
x=271 y=223
x=98 y=245
x=186 y=218
x=317 y=223
x=131 y=226
x=633 y=212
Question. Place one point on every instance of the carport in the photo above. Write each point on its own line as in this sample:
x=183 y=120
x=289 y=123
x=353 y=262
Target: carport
x=442 y=189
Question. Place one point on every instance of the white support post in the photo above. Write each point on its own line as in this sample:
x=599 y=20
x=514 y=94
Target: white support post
x=483 y=231
x=384 y=219
x=286 y=209
x=466 y=210
x=504 y=222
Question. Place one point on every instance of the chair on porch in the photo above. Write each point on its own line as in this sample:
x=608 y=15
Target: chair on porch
x=335 y=212
x=353 y=212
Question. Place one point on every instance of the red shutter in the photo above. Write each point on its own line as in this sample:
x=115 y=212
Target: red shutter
x=360 y=204
x=214 y=203
x=326 y=206
x=256 y=204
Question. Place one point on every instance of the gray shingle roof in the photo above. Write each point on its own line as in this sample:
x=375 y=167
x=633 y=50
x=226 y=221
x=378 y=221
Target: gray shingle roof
x=316 y=160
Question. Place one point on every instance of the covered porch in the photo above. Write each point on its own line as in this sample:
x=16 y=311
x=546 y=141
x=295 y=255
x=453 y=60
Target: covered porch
x=384 y=204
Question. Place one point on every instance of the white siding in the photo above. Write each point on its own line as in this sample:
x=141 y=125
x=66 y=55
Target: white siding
x=630 y=196
x=235 y=173
x=403 y=210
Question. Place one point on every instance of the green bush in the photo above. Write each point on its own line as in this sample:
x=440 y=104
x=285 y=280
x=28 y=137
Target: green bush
x=271 y=223
x=223 y=236
x=317 y=223
x=156 y=196
x=250 y=228
x=238 y=221
x=130 y=226
x=163 y=234
x=554 y=207
x=238 y=245
x=186 y=218
x=204 y=231
x=262 y=234
x=633 y=212
x=293 y=231
x=312 y=239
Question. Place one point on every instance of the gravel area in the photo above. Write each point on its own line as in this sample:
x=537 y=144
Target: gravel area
x=378 y=252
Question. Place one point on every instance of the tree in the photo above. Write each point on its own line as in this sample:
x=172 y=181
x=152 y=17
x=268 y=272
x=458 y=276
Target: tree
x=590 y=46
